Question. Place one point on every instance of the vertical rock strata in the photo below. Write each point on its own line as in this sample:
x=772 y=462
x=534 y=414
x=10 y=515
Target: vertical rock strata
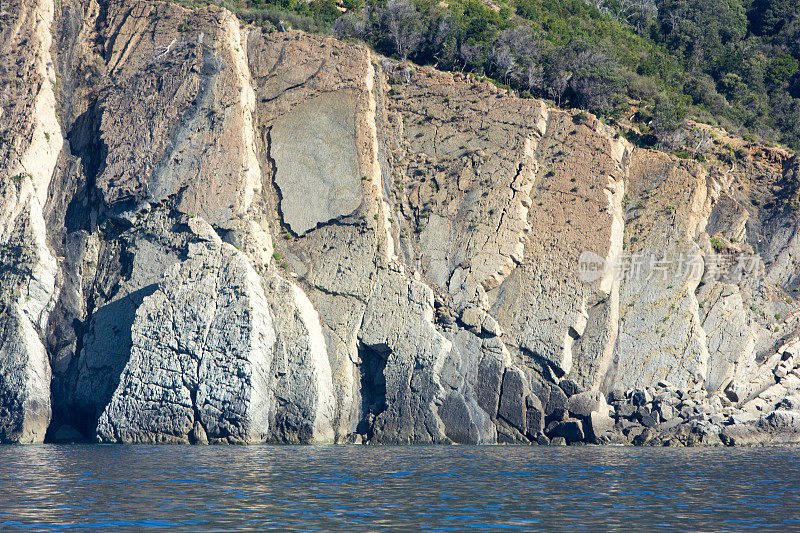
x=31 y=141
x=209 y=233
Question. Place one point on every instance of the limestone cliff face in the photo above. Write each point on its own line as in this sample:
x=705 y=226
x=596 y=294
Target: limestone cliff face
x=213 y=234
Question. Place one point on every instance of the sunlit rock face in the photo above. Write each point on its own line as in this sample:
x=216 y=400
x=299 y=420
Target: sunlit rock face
x=213 y=234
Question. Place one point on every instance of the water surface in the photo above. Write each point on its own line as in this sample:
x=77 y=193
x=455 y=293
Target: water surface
x=368 y=488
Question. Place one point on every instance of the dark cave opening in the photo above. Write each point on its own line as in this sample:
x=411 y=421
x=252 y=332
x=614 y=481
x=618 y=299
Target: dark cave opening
x=373 y=386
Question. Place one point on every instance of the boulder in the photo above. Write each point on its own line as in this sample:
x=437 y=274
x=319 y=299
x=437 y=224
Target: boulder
x=583 y=404
x=464 y=421
x=625 y=410
x=570 y=429
x=598 y=425
x=616 y=395
x=665 y=411
x=569 y=387
x=641 y=397
x=488 y=383
x=647 y=418
x=513 y=407
x=534 y=417
x=556 y=403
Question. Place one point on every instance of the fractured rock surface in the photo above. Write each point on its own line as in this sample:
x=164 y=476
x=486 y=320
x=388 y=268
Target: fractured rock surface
x=200 y=358
x=211 y=233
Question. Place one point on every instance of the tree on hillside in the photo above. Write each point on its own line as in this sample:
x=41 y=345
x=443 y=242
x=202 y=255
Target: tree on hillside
x=350 y=25
x=404 y=26
x=767 y=17
x=636 y=13
x=595 y=80
x=470 y=55
x=513 y=51
x=703 y=31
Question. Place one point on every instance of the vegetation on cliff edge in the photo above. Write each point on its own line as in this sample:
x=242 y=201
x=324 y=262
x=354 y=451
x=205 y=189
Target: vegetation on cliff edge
x=732 y=63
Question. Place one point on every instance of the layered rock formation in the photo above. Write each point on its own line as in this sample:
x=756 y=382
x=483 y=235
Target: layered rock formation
x=209 y=233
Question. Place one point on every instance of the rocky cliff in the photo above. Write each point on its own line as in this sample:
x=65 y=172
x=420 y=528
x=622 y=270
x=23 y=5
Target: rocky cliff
x=213 y=234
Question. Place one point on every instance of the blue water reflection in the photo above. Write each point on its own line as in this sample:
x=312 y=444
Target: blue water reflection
x=442 y=488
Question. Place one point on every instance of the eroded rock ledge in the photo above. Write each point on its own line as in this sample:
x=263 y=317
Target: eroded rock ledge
x=213 y=234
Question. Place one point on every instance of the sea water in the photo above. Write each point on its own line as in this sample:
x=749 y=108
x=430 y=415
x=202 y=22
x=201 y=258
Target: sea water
x=432 y=488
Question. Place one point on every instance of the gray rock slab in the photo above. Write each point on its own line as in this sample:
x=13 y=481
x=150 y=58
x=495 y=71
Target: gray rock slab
x=314 y=150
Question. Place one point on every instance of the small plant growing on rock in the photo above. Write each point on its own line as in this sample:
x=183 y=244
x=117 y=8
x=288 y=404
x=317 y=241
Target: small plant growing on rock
x=717 y=244
x=581 y=118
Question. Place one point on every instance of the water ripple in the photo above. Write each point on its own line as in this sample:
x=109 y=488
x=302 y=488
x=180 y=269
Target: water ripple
x=309 y=488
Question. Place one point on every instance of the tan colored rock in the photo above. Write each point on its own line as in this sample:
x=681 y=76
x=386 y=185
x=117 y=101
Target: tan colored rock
x=180 y=122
